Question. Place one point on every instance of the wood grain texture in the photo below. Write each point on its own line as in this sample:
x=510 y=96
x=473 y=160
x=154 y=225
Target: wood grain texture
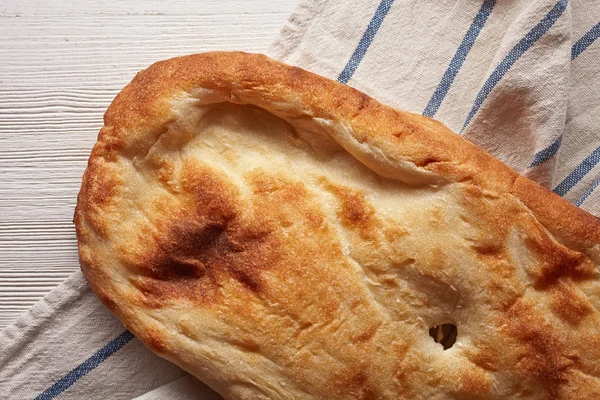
x=60 y=67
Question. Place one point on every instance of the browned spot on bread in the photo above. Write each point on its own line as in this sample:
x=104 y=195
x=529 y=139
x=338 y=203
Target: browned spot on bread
x=100 y=187
x=206 y=243
x=425 y=161
x=83 y=234
x=296 y=76
x=494 y=250
x=582 y=387
x=568 y=303
x=394 y=232
x=354 y=212
x=246 y=344
x=495 y=218
x=497 y=260
x=300 y=327
x=291 y=202
x=363 y=102
x=165 y=175
x=360 y=103
x=556 y=261
x=286 y=189
x=484 y=356
x=314 y=219
x=194 y=257
x=436 y=217
x=474 y=382
x=212 y=197
x=540 y=353
x=354 y=384
x=354 y=209
x=109 y=144
x=155 y=340
x=404 y=371
x=366 y=334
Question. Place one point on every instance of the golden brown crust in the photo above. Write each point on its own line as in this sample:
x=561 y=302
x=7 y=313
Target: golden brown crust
x=317 y=273
x=259 y=80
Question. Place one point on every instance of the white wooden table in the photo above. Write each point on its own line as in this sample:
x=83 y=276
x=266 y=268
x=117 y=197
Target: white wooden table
x=61 y=64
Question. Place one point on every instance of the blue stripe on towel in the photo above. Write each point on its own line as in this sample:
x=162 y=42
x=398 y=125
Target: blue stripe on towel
x=578 y=173
x=88 y=365
x=365 y=41
x=459 y=58
x=579 y=47
x=545 y=154
x=513 y=55
x=585 y=41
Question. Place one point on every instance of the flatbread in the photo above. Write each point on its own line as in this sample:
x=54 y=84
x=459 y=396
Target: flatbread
x=283 y=236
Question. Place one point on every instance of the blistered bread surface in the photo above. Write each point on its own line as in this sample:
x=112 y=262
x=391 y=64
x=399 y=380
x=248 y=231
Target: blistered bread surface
x=283 y=236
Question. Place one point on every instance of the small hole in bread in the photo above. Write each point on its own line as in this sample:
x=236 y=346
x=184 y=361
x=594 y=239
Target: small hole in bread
x=444 y=334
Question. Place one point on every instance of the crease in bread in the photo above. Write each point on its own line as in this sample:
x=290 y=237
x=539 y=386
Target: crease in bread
x=283 y=236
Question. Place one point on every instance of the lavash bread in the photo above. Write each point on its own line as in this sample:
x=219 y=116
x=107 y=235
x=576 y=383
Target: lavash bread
x=283 y=236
